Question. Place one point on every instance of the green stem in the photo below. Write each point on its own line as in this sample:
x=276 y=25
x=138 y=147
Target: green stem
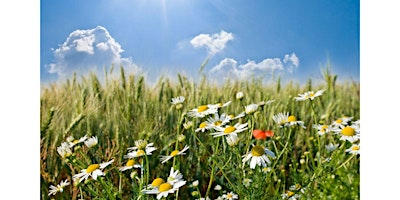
x=213 y=168
x=284 y=148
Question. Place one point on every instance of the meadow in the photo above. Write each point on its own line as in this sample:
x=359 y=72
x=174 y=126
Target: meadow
x=122 y=139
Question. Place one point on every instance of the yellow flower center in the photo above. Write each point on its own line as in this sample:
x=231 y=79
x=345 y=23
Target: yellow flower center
x=231 y=116
x=130 y=163
x=202 y=108
x=292 y=118
x=290 y=193
x=174 y=153
x=229 y=195
x=165 y=187
x=348 y=131
x=157 y=182
x=140 y=153
x=203 y=125
x=324 y=127
x=217 y=123
x=311 y=94
x=229 y=129
x=339 y=121
x=257 y=151
x=219 y=104
x=92 y=167
x=355 y=148
x=75 y=141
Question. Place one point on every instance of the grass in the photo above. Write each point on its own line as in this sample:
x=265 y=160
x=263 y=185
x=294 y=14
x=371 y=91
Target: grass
x=123 y=110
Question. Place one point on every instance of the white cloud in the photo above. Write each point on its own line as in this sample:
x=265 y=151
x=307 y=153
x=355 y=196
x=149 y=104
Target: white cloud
x=229 y=68
x=214 y=43
x=89 y=50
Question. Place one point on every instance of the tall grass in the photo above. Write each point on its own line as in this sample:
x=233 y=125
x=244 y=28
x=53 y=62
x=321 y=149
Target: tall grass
x=123 y=110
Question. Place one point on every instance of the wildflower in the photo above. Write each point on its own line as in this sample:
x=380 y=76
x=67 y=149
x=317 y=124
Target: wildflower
x=246 y=182
x=59 y=188
x=280 y=118
x=292 y=121
x=73 y=142
x=173 y=154
x=188 y=125
x=349 y=133
x=93 y=170
x=91 y=141
x=156 y=183
x=181 y=137
x=137 y=150
x=195 y=183
x=64 y=150
x=202 y=127
x=309 y=95
x=290 y=195
x=239 y=95
x=230 y=131
x=322 y=129
x=177 y=101
x=129 y=165
x=232 y=140
x=252 y=108
x=331 y=147
x=220 y=105
x=258 y=156
x=169 y=187
x=341 y=122
x=230 y=196
x=202 y=111
x=217 y=120
x=217 y=187
x=262 y=135
x=233 y=117
x=354 y=149
x=266 y=169
x=263 y=103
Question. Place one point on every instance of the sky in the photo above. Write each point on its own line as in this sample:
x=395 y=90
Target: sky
x=239 y=39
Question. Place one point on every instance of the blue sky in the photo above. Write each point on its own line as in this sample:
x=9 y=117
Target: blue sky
x=289 y=38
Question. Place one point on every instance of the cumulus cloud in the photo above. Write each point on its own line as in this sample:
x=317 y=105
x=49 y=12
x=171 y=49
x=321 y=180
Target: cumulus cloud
x=229 y=68
x=214 y=43
x=89 y=50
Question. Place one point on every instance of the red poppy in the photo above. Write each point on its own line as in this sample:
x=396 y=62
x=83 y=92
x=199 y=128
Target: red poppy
x=262 y=135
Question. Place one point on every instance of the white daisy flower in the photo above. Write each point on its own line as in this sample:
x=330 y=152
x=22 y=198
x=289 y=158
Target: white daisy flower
x=354 y=149
x=165 y=188
x=64 y=150
x=289 y=195
x=285 y=120
x=203 y=126
x=73 y=142
x=202 y=111
x=341 y=122
x=156 y=183
x=292 y=121
x=258 y=156
x=91 y=141
x=322 y=129
x=239 y=95
x=142 y=144
x=195 y=183
x=349 y=133
x=232 y=140
x=230 y=196
x=59 y=188
x=230 y=131
x=218 y=188
x=252 y=108
x=173 y=154
x=177 y=100
x=220 y=105
x=137 y=150
x=188 y=125
x=174 y=176
x=129 y=165
x=266 y=169
x=217 y=120
x=233 y=117
x=331 y=147
x=93 y=170
x=246 y=182
x=309 y=95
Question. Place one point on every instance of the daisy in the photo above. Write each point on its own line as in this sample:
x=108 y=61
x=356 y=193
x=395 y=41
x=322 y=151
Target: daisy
x=73 y=142
x=202 y=111
x=93 y=170
x=341 y=122
x=142 y=144
x=202 y=127
x=174 y=176
x=177 y=101
x=246 y=182
x=91 y=141
x=233 y=117
x=349 y=133
x=156 y=183
x=230 y=131
x=233 y=140
x=290 y=195
x=220 y=105
x=173 y=154
x=129 y=165
x=252 y=108
x=239 y=95
x=309 y=95
x=322 y=129
x=266 y=169
x=218 y=188
x=165 y=188
x=59 y=188
x=292 y=121
x=354 y=149
x=188 y=125
x=230 y=196
x=137 y=150
x=258 y=156
x=195 y=183
x=64 y=150
x=280 y=118
x=217 y=120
